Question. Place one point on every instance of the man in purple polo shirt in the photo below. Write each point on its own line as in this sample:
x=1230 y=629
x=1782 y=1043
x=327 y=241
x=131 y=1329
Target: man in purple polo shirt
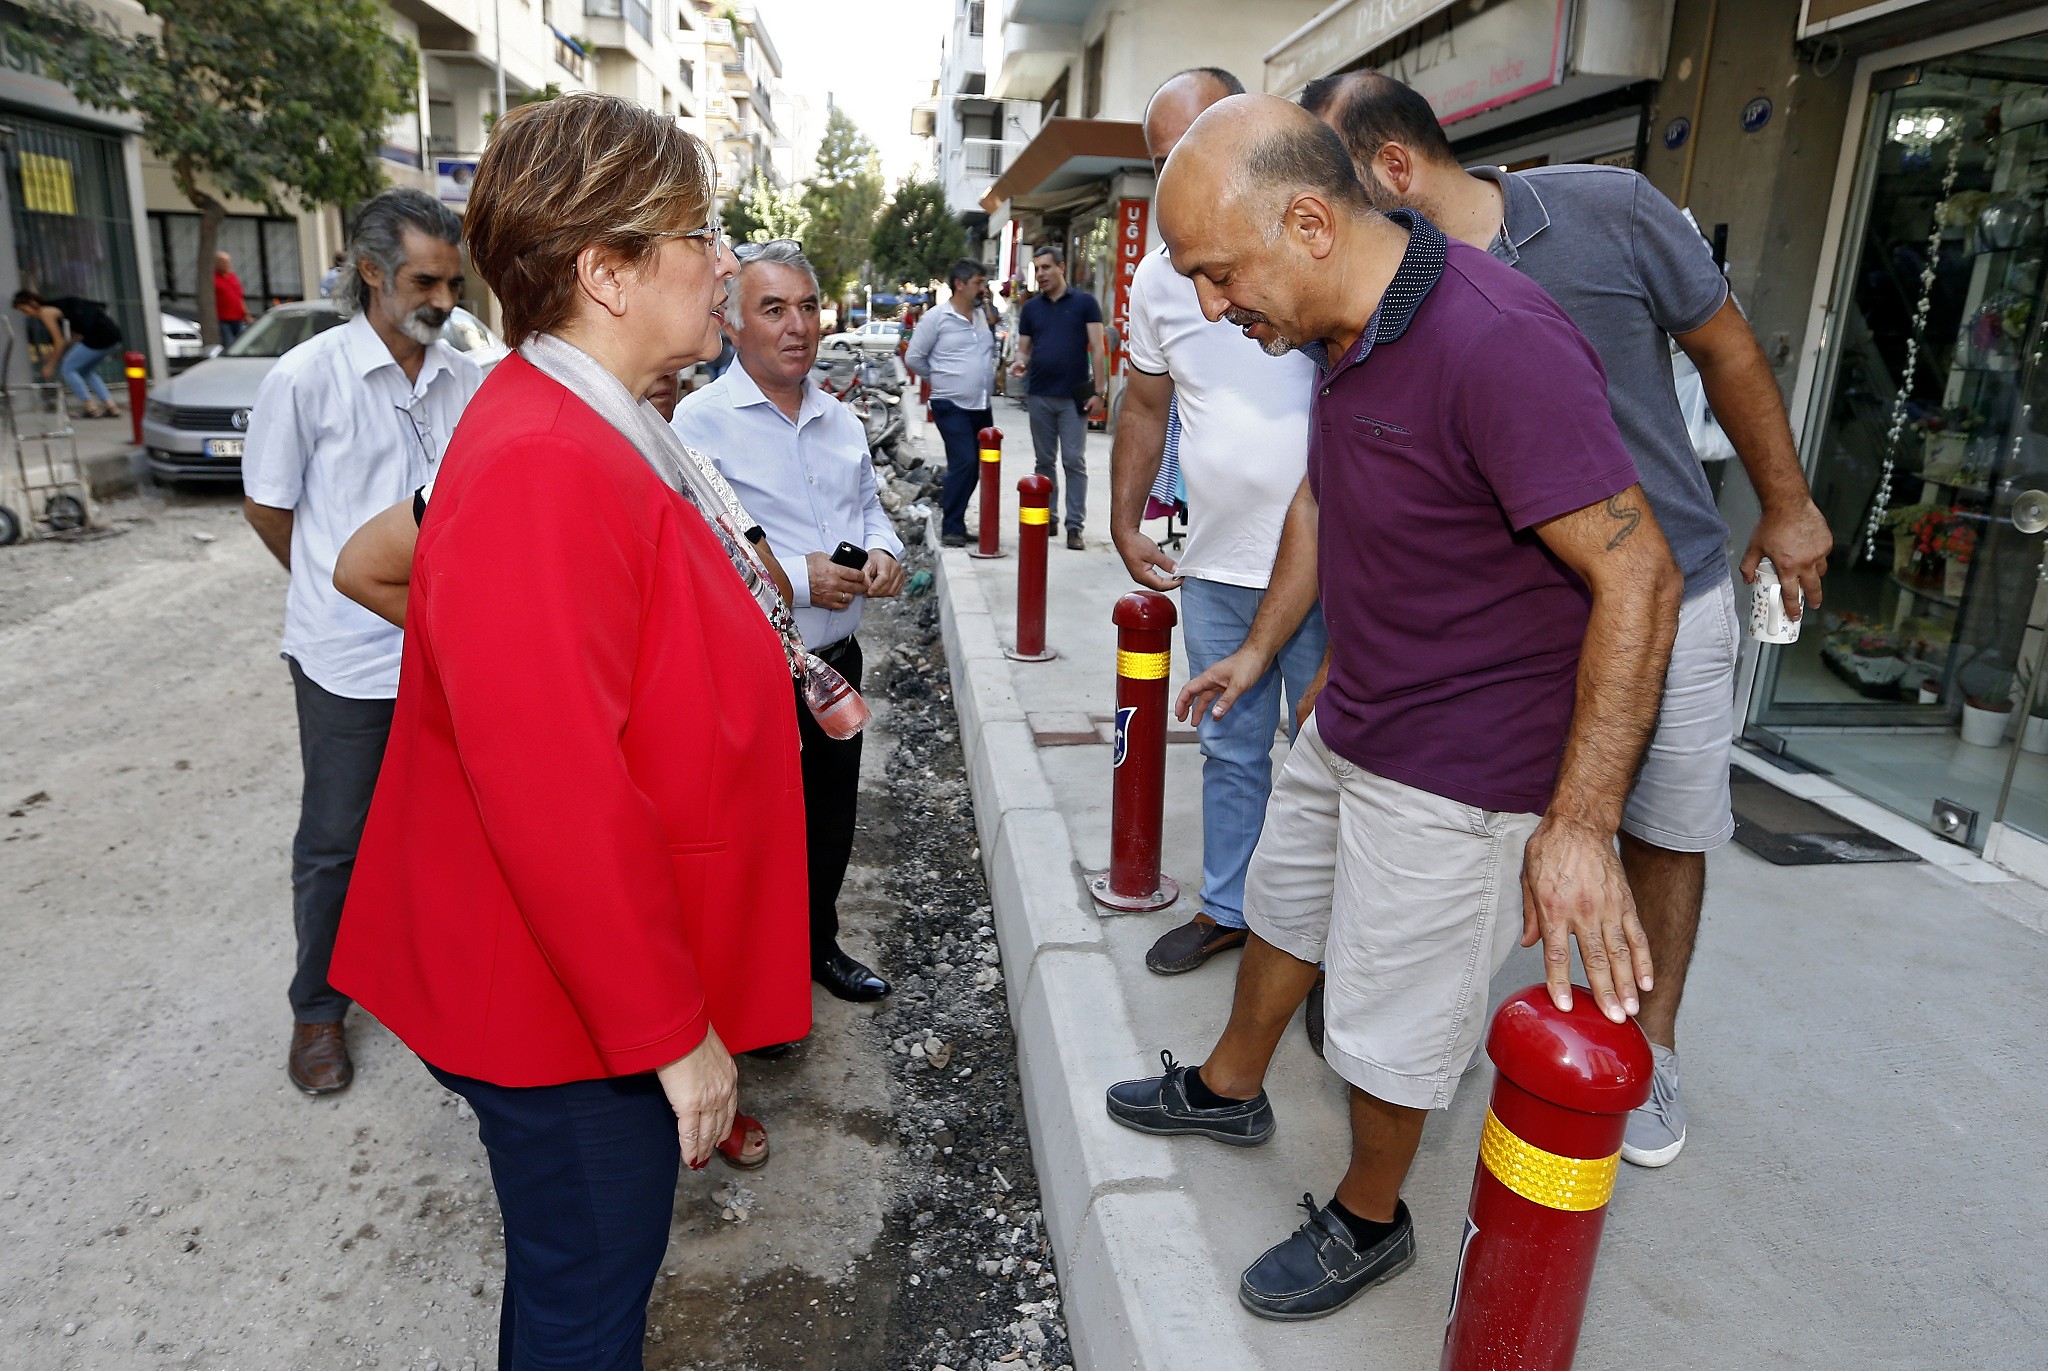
x=1501 y=605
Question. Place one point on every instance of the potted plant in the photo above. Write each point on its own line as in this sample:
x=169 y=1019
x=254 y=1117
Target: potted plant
x=1987 y=703
x=1900 y=519
x=1957 y=545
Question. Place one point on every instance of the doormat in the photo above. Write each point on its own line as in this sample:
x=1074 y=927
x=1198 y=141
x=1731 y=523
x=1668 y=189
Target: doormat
x=1785 y=830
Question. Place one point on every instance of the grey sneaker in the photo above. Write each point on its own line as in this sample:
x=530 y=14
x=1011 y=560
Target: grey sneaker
x=1656 y=1131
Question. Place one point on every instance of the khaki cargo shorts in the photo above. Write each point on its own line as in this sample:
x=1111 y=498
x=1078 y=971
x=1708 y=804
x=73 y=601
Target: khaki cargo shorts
x=1410 y=900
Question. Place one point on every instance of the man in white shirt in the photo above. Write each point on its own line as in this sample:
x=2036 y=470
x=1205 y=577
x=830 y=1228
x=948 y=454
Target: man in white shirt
x=955 y=349
x=346 y=424
x=798 y=460
x=1243 y=448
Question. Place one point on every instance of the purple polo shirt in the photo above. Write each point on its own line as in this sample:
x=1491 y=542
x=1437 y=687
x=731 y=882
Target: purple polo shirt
x=1470 y=411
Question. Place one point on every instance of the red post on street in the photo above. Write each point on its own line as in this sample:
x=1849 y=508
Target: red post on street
x=924 y=396
x=1144 y=653
x=1034 y=530
x=1547 y=1159
x=137 y=367
x=991 y=495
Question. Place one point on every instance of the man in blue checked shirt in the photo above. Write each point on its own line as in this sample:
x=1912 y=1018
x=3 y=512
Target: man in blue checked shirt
x=798 y=460
x=955 y=349
x=1240 y=432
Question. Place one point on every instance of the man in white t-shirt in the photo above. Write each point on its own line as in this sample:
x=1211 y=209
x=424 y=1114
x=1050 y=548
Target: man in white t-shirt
x=347 y=423
x=1243 y=448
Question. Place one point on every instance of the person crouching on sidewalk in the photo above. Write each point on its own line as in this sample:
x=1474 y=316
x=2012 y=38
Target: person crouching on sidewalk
x=1500 y=605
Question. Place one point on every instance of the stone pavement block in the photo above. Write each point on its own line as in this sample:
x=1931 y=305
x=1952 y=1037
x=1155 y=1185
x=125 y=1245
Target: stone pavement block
x=1139 y=1292
x=1035 y=888
x=1003 y=771
x=1074 y=1036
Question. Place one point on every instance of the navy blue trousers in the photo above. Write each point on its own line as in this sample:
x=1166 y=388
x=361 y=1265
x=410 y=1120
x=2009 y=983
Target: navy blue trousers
x=586 y=1181
x=960 y=429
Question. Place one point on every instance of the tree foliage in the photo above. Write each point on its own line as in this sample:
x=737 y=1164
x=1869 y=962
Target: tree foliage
x=265 y=100
x=760 y=213
x=842 y=197
x=916 y=240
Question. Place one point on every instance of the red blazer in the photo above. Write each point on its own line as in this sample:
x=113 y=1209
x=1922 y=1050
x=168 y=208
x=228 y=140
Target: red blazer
x=587 y=841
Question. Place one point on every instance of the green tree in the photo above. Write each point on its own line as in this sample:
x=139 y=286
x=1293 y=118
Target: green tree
x=916 y=240
x=842 y=197
x=261 y=99
x=761 y=213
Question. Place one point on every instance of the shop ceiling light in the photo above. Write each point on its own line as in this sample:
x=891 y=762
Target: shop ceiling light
x=1920 y=129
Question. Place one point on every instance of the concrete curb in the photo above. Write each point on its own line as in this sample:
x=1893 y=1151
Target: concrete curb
x=1136 y=1281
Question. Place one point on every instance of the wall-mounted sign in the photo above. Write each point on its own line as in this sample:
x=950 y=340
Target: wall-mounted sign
x=452 y=176
x=1131 y=217
x=1507 y=52
x=1676 y=132
x=1756 y=114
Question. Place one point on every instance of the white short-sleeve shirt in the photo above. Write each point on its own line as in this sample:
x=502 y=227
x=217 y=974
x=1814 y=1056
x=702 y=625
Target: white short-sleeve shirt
x=1243 y=425
x=338 y=435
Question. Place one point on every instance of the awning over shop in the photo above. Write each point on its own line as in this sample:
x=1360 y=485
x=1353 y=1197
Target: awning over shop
x=1068 y=153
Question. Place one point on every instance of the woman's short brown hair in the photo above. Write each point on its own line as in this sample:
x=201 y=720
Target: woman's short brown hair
x=565 y=174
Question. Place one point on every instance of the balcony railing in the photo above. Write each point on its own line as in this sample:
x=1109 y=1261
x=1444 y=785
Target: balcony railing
x=982 y=156
x=570 y=58
x=634 y=12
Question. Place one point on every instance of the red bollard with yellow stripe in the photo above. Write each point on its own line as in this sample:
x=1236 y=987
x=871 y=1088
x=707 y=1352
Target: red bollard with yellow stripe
x=136 y=366
x=1034 y=529
x=991 y=544
x=1547 y=1160
x=1144 y=655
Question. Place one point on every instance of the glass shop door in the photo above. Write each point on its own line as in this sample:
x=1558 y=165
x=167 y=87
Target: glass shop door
x=1915 y=685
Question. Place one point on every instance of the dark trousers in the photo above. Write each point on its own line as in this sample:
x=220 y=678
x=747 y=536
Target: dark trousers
x=231 y=329
x=341 y=746
x=960 y=429
x=586 y=1180
x=831 y=768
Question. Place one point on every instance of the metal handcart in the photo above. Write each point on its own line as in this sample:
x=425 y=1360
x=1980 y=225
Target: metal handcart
x=40 y=485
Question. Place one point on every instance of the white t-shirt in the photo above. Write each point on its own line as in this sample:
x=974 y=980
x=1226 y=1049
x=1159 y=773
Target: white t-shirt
x=1244 y=425
x=337 y=435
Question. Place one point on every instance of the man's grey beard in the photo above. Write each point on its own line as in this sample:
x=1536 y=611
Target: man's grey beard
x=1241 y=318
x=423 y=325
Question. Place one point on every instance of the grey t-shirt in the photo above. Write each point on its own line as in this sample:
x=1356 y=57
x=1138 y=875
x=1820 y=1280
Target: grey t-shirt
x=1630 y=270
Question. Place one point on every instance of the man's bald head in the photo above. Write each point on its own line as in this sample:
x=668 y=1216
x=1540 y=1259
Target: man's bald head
x=1178 y=102
x=1252 y=205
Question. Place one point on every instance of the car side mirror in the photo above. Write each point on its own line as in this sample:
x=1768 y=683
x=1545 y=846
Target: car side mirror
x=212 y=351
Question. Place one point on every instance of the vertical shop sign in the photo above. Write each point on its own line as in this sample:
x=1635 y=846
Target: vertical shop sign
x=1131 y=216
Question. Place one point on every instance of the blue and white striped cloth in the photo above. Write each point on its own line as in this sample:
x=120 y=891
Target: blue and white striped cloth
x=1169 y=492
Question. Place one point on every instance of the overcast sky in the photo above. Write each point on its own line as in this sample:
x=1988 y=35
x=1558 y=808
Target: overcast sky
x=876 y=57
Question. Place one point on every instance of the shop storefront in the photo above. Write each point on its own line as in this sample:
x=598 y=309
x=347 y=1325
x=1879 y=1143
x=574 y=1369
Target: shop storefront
x=1925 y=422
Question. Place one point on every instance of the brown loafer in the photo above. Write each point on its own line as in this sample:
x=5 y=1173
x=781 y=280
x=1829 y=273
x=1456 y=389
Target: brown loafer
x=319 y=1063
x=1076 y=541
x=1194 y=942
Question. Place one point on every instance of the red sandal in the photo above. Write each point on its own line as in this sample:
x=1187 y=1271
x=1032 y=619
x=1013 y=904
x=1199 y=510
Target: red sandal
x=733 y=1150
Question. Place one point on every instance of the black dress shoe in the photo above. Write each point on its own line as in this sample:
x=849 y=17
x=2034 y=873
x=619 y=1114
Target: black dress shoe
x=847 y=979
x=1194 y=942
x=771 y=1052
x=1318 y=1271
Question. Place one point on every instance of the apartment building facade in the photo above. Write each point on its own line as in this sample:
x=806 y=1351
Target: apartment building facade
x=975 y=133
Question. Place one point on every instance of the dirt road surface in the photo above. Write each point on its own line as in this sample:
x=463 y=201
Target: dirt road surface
x=168 y=1200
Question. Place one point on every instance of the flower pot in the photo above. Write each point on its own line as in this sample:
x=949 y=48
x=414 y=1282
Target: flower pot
x=1954 y=576
x=2034 y=737
x=1985 y=727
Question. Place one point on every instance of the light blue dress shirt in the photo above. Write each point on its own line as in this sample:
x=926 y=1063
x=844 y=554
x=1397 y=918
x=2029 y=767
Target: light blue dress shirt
x=957 y=353
x=809 y=484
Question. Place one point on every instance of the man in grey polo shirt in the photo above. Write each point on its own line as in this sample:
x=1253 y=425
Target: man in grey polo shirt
x=1633 y=274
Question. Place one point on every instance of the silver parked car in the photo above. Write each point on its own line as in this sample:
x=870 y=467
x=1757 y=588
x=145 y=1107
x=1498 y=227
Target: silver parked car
x=193 y=428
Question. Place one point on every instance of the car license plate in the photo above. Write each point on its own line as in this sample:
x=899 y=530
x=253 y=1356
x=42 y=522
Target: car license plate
x=224 y=447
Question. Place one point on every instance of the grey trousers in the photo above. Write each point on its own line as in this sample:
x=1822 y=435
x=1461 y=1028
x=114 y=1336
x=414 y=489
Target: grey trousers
x=341 y=745
x=1059 y=438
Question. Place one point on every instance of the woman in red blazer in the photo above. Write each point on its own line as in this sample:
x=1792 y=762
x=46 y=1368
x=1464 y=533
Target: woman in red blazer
x=581 y=886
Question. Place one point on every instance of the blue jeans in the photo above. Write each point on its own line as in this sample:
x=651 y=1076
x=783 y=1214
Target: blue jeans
x=1059 y=439
x=960 y=430
x=80 y=369
x=586 y=1180
x=231 y=329
x=1237 y=749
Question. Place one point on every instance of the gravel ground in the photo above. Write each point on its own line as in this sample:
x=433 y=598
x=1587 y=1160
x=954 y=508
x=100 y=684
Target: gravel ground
x=168 y=1201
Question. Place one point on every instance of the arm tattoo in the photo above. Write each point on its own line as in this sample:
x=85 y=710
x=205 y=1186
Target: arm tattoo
x=1627 y=515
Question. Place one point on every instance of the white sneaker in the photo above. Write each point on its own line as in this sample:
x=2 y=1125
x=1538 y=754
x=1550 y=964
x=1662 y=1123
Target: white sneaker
x=1656 y=1131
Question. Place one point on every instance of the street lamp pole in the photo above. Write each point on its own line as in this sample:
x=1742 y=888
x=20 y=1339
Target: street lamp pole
x=498 y=37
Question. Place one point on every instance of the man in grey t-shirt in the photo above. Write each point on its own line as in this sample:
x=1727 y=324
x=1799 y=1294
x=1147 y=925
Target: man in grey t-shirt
x=1633 y=274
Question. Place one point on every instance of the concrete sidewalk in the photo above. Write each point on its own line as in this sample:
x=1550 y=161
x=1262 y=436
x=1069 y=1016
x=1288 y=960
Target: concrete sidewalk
x=1862 y=1053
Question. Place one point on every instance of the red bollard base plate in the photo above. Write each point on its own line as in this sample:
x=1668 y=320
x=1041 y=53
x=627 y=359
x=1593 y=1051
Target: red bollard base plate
x=1010 y=651
x=1168 y=892
x=986 y=556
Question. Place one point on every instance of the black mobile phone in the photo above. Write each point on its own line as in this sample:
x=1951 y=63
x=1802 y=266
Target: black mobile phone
x=850 y=555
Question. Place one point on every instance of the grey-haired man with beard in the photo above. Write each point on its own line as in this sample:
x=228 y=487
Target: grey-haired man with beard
x=345 y=425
